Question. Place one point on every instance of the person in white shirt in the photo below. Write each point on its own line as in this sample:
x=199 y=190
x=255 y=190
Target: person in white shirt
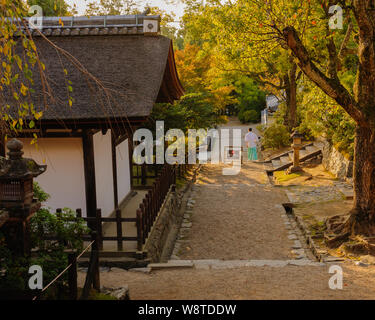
x=251 y=139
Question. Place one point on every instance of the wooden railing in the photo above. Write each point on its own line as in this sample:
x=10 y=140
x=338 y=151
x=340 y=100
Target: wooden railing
x=145 y=215
x=92 y=277
x=152 y=203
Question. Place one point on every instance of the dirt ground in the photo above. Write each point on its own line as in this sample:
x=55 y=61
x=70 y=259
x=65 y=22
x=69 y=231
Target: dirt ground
x=290 y=282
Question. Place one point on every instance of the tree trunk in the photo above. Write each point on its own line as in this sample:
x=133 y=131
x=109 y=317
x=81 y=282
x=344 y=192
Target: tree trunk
x=364 y=176
x=291 y=98
x=362 y=217
x=292 y=114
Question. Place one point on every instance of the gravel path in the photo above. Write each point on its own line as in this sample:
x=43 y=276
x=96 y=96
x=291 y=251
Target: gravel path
x=234 y=217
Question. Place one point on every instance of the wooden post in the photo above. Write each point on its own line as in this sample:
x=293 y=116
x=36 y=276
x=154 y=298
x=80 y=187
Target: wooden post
x=130 y=149
x=95 y=261
x=93 y=275
x=2 y=145
x=72 y=259
x=79 y=213
x=143 y=175
x=99 y=229
x=119 y=230
x=139 y=230
x=114 y=171
x=89 y=168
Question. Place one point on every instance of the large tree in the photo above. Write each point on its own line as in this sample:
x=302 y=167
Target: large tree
x=360 y=104
x=239 y=42
x=54 y=7
x=113 y=7
x=306 y=28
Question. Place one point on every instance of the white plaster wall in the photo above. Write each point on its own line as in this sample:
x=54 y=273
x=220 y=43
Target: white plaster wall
x=64 y=179
x=103 y=172
x=123 y=173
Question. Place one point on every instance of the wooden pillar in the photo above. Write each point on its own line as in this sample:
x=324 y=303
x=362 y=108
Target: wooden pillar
x=2 y=145
x=89 y=168
x=130 y=148
x=114 y=170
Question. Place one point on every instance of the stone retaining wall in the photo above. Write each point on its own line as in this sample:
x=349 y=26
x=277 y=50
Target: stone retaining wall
x=168 y=217
x=335 y=162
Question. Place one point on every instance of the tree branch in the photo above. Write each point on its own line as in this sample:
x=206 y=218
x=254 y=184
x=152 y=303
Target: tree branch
x=332 y=87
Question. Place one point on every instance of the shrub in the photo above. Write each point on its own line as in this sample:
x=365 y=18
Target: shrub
x=251 y=116
x=276 y=136
x=51 y=255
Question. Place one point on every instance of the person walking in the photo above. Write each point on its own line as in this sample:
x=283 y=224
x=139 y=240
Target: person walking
x=251 y=139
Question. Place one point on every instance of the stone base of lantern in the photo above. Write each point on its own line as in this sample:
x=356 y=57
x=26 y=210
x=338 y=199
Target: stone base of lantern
x=294 y=170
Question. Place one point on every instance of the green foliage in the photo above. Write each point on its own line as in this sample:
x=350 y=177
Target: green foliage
x=193 y=111
x=51 y=255
x=251 y=100
x=39 y=193
x=276 y=136
x=249 y=116
x=53 y=7
x=321 y=116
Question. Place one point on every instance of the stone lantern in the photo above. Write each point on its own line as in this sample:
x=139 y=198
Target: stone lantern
x=297 y=145
x=17 y=196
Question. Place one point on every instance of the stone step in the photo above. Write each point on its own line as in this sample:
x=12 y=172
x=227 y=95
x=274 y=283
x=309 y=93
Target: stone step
x=230 y=264
x=319 y=145
x=285 y=160
x=276 y=163
x=303 y=153
x=268 y=166
x=311 y=149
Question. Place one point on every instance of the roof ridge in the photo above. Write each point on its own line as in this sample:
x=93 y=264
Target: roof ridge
x=99 y=25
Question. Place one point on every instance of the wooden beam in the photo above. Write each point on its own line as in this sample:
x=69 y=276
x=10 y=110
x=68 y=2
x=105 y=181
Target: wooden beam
x=114 y=170
x=89 y=168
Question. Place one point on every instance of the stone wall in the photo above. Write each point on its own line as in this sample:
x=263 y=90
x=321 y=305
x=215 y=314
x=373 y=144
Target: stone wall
x=335 y=162
x=168 y=218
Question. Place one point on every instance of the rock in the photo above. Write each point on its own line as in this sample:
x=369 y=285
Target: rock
x=186 y=225
x=176 y=264
x=368 y=259
x=119 y=270
x=333 y=259
x=104 y=269
x=141 y=270
x=180 y=262
x=121 y=293
x=297 y=245
x=361 y=264
x=292 y=237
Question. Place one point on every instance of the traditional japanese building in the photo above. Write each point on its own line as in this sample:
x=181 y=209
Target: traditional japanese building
x=118 y=67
